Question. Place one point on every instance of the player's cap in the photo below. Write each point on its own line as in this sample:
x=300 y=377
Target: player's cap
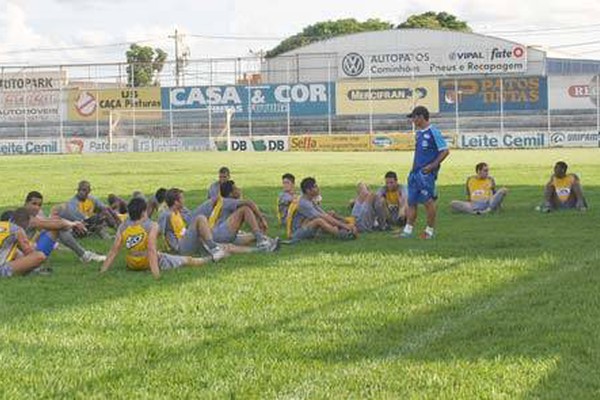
x=419 y=111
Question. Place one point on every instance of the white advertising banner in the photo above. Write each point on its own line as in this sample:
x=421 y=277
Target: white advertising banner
x=257 y=143
x=450 y=60
x=574 y=139
x=80 y=145
x=578 y=92
x=24 y=147
x=512 y=140
x=31 y=96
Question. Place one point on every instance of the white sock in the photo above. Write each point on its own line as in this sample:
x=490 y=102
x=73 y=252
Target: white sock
x=429 y=231
x=408 y=229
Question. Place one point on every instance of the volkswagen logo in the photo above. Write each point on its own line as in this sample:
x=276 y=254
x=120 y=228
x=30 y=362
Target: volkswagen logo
x=353 y=64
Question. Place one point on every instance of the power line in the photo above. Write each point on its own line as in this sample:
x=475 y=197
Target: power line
x=562 y=46
x=226 y=37
x=82 y=47
x=584 y=28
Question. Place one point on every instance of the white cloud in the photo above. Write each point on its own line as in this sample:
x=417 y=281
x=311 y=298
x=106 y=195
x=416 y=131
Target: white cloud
x=30 y=24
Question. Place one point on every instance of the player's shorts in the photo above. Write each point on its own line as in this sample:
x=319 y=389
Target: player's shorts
x=480 y=205
x=170 y=261
x=6 y=270
x=92 y=224
x=189 y=244
x=45 y=243
x=222 y=234
x=304 y=233
x=421 y=187
x=364 y=215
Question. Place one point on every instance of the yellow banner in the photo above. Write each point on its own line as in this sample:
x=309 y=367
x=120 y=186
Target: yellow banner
x=389 y=96
x=136 y=103
x=330 y=143
x=392 y=141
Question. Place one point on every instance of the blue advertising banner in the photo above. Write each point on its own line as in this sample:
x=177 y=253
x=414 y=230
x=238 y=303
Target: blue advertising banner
x=522 y=93
x=261 y=101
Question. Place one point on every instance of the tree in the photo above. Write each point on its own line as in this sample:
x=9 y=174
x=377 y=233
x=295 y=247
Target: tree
x=144 y=63
x=433 y=20
x=325 y=30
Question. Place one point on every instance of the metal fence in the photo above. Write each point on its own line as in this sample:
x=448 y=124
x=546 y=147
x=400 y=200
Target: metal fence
x=284 y=96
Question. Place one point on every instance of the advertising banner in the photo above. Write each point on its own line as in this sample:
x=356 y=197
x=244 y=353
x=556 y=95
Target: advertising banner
x=391 y=141
x=257 y=143
x=445 y=60
x=138 y=103
x=526 y=93
x=330 y=143
x=34 y=96
x=573 y=92
x=513 y=140
x=258 y=101
x=171 y=144
x=574 y=139
x=397 y=96
x=23 y=147
x=80 y=145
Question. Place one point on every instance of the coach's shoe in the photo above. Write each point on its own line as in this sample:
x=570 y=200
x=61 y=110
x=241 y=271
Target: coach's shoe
x=91 y=256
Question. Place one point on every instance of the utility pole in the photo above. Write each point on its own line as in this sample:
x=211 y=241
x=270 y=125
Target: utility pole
x=178 y=60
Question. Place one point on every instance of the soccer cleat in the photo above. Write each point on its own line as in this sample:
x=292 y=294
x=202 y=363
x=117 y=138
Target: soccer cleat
x=425 y=236
x=217 y=253
x=346 y=235
x=42 y=271
x=91 y=256
x=405 y=235
x=268 y=245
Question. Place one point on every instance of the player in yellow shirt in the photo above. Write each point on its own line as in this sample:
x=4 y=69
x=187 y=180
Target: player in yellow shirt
x=394 y=198
x=18 y=256
x=482 y=195
x=563 y=191
x=88 y=209
x=139 y=236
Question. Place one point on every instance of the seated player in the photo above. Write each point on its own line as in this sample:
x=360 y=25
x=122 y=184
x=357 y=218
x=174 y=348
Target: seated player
x=368 y=210
x=88 y=209
x=286 y=196
x=394 y=197
x=563 y=191
x=156 y=203
x=230 y=213
x=185 y=236
x=214 y=190
x=17 y=255
x=481 y=193
x=306 y=219
x=64 y=228
x=118 y=205
x=139 y=235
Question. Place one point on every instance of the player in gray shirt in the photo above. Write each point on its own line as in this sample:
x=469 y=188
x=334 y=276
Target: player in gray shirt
x=286 y=197
x=309 y=219
x=89 y=210
x=230 y=213
x=214 y=188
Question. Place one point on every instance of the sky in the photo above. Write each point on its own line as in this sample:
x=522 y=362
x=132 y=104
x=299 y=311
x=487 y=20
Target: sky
x=34 y=32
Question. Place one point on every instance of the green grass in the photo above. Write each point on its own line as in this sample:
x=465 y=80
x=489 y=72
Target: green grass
x=498 y=306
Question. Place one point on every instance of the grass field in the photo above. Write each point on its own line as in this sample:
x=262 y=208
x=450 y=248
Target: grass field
x=498 y=306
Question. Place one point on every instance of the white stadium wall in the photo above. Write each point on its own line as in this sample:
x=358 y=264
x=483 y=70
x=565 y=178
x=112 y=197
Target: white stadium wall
x=404 y=53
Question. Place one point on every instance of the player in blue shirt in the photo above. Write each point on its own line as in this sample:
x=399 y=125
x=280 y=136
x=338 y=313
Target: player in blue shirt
x=430 y=150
